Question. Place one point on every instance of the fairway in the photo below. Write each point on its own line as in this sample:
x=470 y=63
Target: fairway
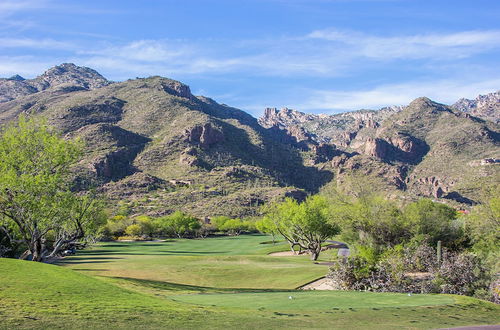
x=314 y=300
x=221 y=262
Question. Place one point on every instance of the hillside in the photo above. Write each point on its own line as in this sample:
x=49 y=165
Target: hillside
x=153 y=147
x=425 y=149
x=157 y=148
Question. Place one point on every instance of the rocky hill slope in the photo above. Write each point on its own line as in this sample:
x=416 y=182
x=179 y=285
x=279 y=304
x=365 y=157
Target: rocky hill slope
x=424 y=149
x=155 y=147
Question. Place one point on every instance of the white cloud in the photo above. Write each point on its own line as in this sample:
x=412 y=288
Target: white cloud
x=10 y=7
x=36 y=44
x=444 y=91
x=26 y=66
x=434 y=46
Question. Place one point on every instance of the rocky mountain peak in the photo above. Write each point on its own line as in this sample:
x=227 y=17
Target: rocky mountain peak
x=66 y=74
x=484 y=106
x=16 y=78
x=71 y=74
x=284 y=117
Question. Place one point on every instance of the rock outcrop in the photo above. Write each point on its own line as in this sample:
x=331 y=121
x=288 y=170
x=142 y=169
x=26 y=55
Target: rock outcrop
x=204 y=135
x=484 y=106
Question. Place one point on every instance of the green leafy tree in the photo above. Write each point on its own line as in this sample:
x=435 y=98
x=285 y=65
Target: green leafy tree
x=266 y=226
x=219 y=221
x=147 y=225
x=35 y=188
x=482 y=225
x=179 y=224
x=133 y=230
x=234 y=226
x=305 y=224
x=433 y=221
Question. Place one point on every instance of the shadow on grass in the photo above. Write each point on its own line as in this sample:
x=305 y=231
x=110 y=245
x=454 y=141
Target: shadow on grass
x=175 y=287
x=92 y=253
x=76 y=262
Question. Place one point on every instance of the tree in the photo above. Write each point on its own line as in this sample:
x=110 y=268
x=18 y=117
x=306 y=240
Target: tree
x=179 y=224
x=482 y=225
x=306 y=224
x=266 y=226
x=219 y=221
x=35 y=192
x=372 y=221
x=434 y=221
x=234 y=226
x=83 y=218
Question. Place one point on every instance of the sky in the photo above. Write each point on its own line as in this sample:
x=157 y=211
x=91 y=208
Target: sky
x=319 y=56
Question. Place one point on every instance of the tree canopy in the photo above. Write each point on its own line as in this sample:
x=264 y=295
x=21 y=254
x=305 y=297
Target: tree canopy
x=35 y=189
x=305 y=224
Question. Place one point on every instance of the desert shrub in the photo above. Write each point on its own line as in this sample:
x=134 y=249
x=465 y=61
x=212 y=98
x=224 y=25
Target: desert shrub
x=414 y=269
x=461 y=274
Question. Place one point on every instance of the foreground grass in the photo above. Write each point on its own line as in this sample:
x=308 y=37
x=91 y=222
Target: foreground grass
x=223 y=295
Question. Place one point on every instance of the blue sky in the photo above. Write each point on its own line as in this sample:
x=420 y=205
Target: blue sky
x=321 y=56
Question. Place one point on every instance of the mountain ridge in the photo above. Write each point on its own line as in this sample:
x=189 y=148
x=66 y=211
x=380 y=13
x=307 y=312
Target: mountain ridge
x=153 y=147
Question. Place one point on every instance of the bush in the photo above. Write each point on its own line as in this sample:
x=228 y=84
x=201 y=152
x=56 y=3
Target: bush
x=459 y=273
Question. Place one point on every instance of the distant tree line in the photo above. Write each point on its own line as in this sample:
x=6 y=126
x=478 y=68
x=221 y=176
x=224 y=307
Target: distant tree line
x=177 y=224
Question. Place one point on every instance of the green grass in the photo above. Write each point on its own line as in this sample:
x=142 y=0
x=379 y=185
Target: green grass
x=226 y=282
x=225 y=262
x=314 y=301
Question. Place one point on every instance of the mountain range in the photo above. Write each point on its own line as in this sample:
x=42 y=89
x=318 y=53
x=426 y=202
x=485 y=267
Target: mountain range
x=153 y=147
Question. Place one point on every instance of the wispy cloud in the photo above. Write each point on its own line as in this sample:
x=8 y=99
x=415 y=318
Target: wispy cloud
x=446 y=91
x=26 y=66
x=325 y=53
x=36 y=44
x=10 y=7
x=435 y=46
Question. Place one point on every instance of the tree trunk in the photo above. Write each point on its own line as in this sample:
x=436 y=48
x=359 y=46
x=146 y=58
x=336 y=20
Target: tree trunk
x=315 y=251
x=25 y=255
x=36 y=251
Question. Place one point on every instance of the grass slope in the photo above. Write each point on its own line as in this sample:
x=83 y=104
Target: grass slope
x=34 y=295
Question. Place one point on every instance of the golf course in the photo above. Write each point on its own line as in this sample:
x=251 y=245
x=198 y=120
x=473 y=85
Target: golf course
x=223 y=282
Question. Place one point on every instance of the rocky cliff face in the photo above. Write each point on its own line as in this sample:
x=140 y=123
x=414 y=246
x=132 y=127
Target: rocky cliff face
x=65 y=76
x=484 y=106
x=339 y=129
